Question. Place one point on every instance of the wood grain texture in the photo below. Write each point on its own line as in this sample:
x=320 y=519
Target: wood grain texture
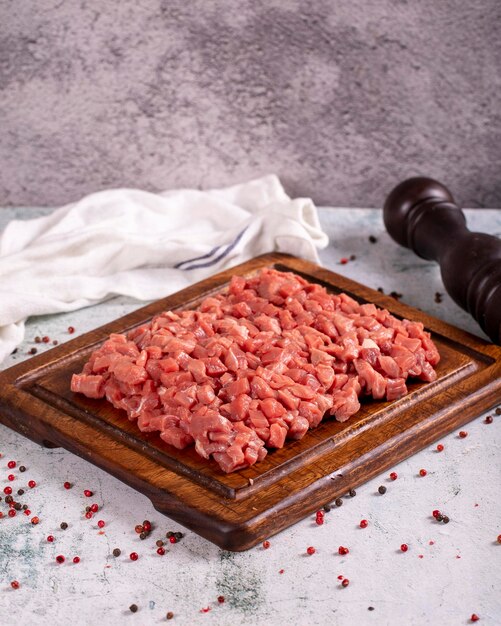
x=238 y=510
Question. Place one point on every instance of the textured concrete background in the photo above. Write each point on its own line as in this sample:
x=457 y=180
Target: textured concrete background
x=341 y=99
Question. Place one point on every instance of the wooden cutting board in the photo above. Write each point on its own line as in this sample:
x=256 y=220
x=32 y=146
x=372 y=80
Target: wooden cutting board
x=238 y=510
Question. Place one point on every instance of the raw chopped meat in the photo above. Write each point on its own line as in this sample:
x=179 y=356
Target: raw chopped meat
x=256 y=365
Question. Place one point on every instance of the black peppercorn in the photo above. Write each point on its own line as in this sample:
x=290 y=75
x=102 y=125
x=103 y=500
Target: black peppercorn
x=445 y=519
x=64 y=525
x=439 y=518
x=498 y=410
x=327 y=508
x=382 y=489
x=178 y=535
x=353 y=493
x=338 y=502
x=169 y=534
x=9 y=499
x=133 y=608
x=20 y=492
x=489 y=419
x=25 y=507
x=22 y=468
x=117 y=552
x=143 y=535
x=160 y=543
x=17 y=506
x=372 y=239
x=33 y=351
x=169 y=615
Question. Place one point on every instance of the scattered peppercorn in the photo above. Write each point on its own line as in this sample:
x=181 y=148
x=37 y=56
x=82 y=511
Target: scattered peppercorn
x=34 y=520
x=395 y=295
x=404 y=547
x=76 y=559
x=338 y=502
x=60 y=559
x=22 y=468
x=67 y=485
x=382 y=489
x=342 y=550
x=133 y=608
x=370 y=608
x=489 y=419
x=71 y=330
x=474 y=617
x=266 y=544
x=94 y=508
x=161 y=551
x=117 y=552
x=353 y=257
x=445 y=519
x=11 y=464
x=364 y=523
x=101 y=523
x=372 y=239
x=169 y=615
x=463 y=434
x=63 y=525
x=178 y=535
x=138 y=529
x=88 y=515
x=380 y=289
x=143 y=535
x=17 y=506
x=220 y=599
x=343 y=261
x=55 y=342
x=499 y=538
x=11 y=477
x=32 y=484
x=327 y=508
x=173 y=539
x=352 y=493
x=159 y=543
x=168 y=534
x=310 y=550
x=393 y=475
x=38 y=339
x=15 y=584
x=20 y=492
x=438 y=297
x=88 y=493
x=50 y=539
x=146 y=526
x=439 y=517
x=45 y=339
x=422 y=472
x=133 y=556
x=498 y=411
x=32 y=351
x=436 y=513
x=12 y=513
x=440 y=448
x=345 y=582
x=25 y=507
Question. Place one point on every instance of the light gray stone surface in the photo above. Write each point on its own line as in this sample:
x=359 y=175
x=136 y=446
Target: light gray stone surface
x=443 y=582
x=340 y=99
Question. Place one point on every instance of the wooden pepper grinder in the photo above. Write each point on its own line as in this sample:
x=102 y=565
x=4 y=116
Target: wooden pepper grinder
x=420 y=214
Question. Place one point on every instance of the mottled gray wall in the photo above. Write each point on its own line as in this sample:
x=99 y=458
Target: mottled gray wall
x=341 y=99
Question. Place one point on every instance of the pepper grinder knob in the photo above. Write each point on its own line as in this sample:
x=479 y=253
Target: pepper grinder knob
x=420 y=214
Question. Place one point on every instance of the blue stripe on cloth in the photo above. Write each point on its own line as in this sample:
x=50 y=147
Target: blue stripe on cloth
x=197 y=258
x=224 y=253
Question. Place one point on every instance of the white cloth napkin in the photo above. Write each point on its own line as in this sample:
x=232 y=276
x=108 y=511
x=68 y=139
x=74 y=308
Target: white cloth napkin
x=143 y=245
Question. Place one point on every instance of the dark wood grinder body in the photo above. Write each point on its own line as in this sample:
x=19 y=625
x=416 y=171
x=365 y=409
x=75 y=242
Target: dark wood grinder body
x=420 y=214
